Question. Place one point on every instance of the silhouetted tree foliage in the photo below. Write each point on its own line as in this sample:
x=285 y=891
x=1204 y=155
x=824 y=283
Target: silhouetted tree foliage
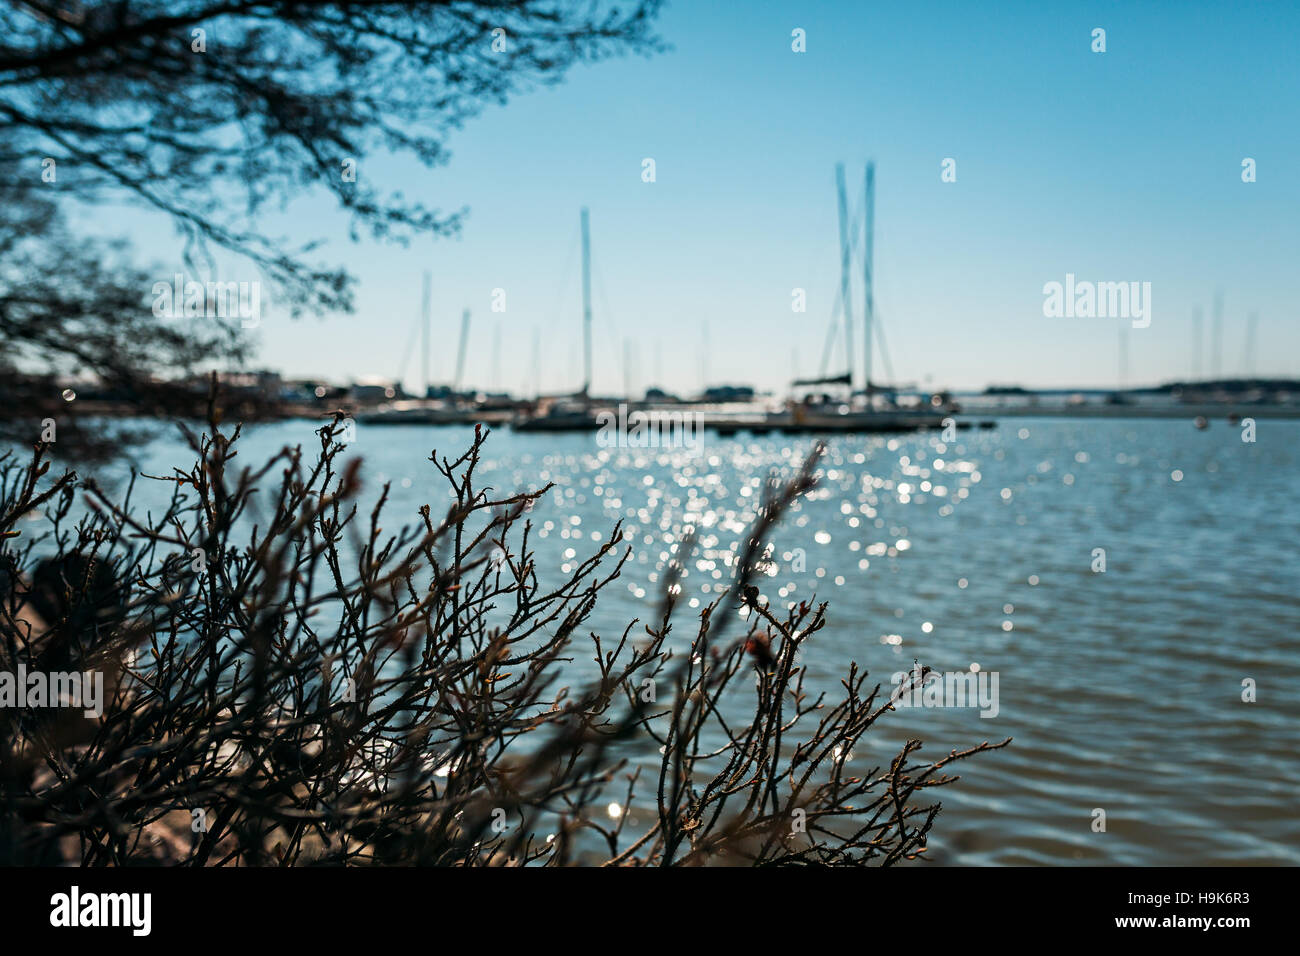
x=71 y=307
x=206 y=112
x=290 y=683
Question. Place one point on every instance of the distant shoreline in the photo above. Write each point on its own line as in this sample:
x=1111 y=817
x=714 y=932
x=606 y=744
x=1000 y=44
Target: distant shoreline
x=970 y=411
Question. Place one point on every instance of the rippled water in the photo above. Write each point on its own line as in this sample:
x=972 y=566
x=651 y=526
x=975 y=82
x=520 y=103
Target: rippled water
x=1122 y=689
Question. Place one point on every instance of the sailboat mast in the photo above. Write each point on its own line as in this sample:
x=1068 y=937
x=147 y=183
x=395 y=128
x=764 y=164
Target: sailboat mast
x=627 y=367
x=460 y=353
x=426 y=309
x=846 y=285
x=1216 y=337
x=1198 y=338
x=868 y=250
x=537 y=363
x=496 y=358
x=586 y=304
x=1248 y=360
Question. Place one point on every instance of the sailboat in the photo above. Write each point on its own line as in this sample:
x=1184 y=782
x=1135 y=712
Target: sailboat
x=443 y=405
x=574 y=412
x=874 y=408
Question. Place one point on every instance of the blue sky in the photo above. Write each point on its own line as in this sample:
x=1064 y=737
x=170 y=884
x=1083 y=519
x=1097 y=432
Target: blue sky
x=1118 y=166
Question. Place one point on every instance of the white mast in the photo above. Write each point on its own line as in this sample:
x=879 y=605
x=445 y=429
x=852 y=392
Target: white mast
x=1198 y=337
x=460 y=352
x=868 y=251
x=846 y=290
x=426 y=319
x=586 y=304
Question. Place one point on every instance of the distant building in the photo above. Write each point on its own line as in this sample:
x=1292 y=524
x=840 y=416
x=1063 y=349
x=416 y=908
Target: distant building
x=264 y=383
x=728 y=393
x=373 y=391
x=312 y=390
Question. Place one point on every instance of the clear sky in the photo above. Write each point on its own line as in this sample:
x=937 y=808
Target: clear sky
x=1115 y=166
